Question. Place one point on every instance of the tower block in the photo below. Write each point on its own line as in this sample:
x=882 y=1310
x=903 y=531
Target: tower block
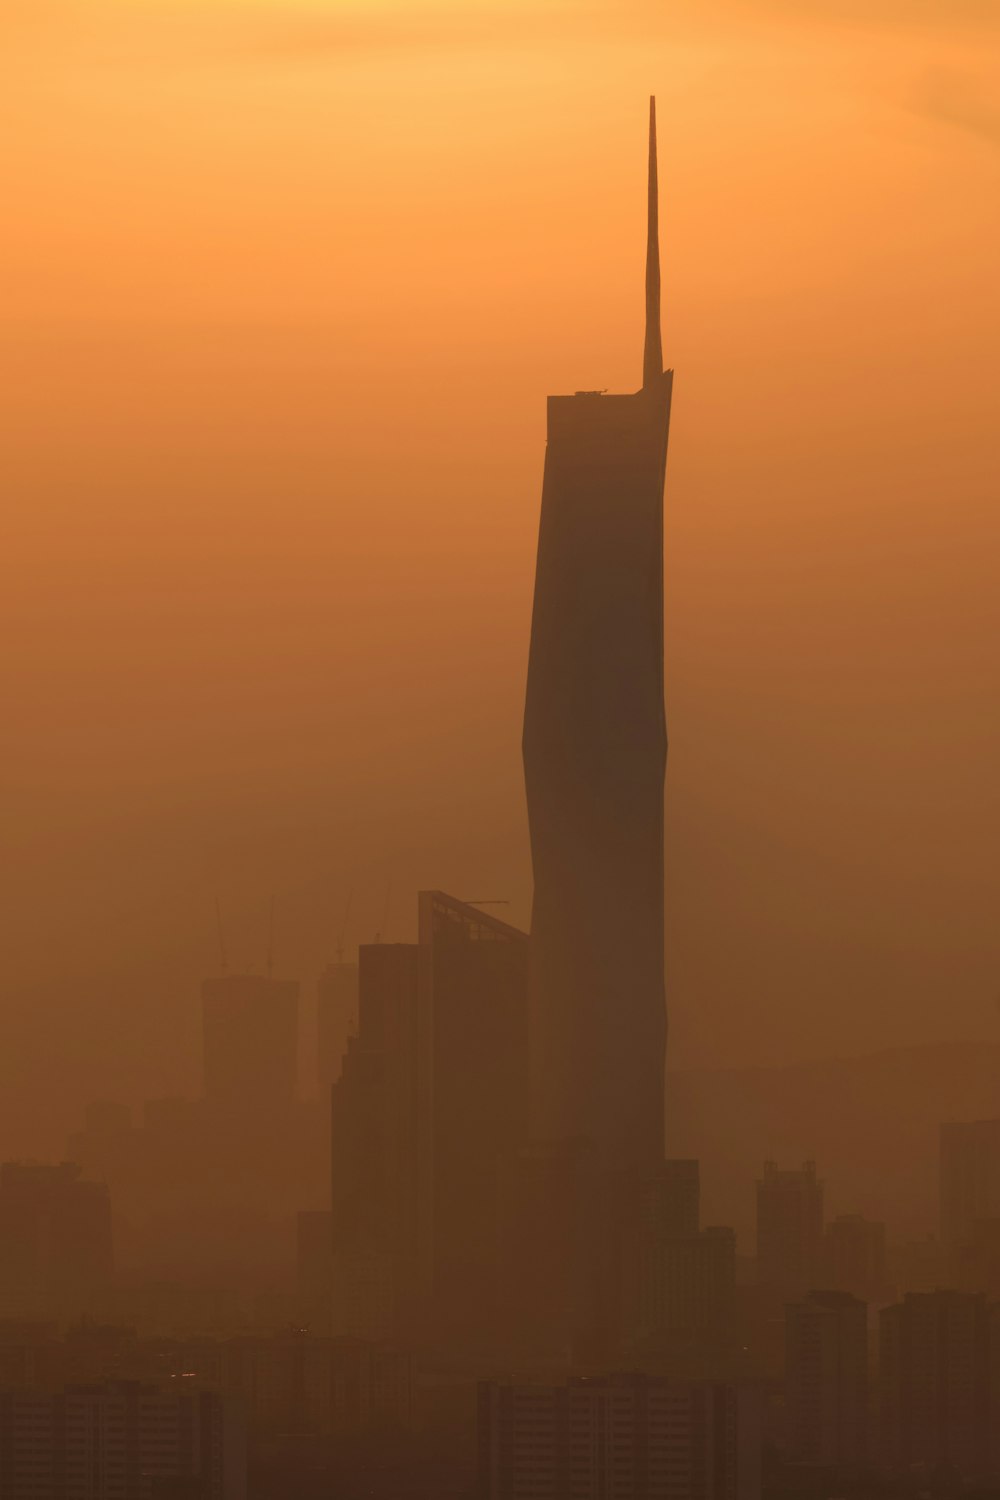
x=595 y=751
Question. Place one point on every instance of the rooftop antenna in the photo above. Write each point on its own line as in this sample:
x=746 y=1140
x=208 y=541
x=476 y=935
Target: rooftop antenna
x=270 y=940
x=652 y=362
x=222 y=937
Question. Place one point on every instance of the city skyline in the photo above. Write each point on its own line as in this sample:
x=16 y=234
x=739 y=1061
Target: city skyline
x=381 y=1190
x=250 y=648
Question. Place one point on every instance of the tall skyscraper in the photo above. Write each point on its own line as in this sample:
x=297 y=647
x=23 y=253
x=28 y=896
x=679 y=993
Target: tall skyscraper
x=937 y=1391
x=378 y=1240
x=826 y=1380
x=433 y=1093
x=683 y=1301
x=474 y=992
x=594 y=758
x=789 y=1229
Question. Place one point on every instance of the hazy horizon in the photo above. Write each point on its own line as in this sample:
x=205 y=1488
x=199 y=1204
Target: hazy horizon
x=283 y=299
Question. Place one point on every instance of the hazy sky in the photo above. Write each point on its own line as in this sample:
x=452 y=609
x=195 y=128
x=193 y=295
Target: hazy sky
x=283 y=288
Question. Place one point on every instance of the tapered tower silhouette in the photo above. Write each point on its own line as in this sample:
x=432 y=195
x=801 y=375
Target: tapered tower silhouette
x=594 y=757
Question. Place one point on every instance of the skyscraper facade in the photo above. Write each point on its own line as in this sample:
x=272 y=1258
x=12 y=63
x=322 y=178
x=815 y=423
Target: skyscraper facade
x=120 y=1440
x=433 y=1093
x=938 y=1392
x=594 y=759
x=619 y=1435
x=853 y=1258
x=380 y=1258
x=970 y=1180
x=473 y=978
x=826 y=1379
x=789 y=1229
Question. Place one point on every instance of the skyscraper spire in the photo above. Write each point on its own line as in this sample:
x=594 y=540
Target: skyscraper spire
x=595 y=750
x=652 y=364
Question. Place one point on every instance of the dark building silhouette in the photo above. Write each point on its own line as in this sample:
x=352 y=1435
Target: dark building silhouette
x=977 y=1265
x=55 y=1239
x=554 y=1231
x=336 y=1021
x=474 y=986
x=250 y=1029
x=618 y=1435
x=378 y=1130
x=853 y=1258
x=970 y=1181
x=672 y=1199
x=789 y=1229
x=826 y=1380
x=939 y=1407
x=594 y=760
x=687 y=1298
x=121 y=1441
x=600 y=1268
x=433 y=1093
x=678 y=1302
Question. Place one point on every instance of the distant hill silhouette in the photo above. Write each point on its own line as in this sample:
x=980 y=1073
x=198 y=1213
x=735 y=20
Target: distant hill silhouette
x=870 y=1123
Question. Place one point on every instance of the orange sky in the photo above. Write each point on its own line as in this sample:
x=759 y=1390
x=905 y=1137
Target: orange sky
x=283 y=287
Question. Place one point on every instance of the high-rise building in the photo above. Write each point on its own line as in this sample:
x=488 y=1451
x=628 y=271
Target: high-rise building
x=336 y=1021
x=826 y=1380
x=553 y=1254
x=55 y=1239
x=618 y=1435
x=250 y=1029
x=853 y=1257
x=594 y=760
x=671 y=1199
x=121 y=1441
x=977 y=1265
x=789 y=1229
x=474 y=987
x=433 y=1094
x=937 y=1390
x=970 y=1179
x=379 y=1233
x=687 y=1293
x=679 y=1297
